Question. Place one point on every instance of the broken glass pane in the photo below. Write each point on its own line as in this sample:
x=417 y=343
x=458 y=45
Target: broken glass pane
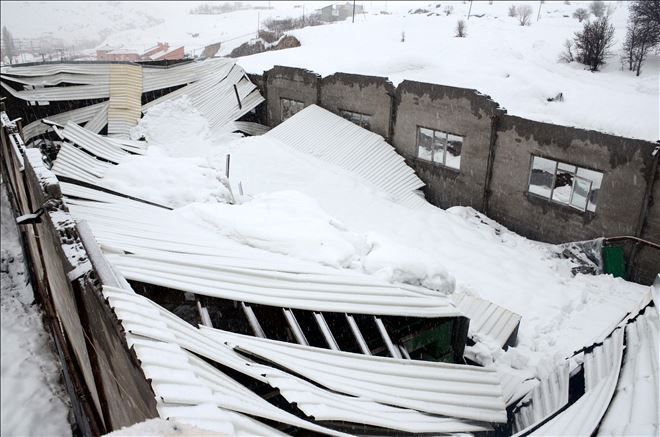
x=596 y=179
x=580 y=193
x=563 y=186
x=439 y=147
x=454 y=146
x=542 y=176
x=425 y=144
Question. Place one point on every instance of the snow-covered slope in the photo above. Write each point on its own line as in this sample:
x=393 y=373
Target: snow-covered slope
x=517 y=66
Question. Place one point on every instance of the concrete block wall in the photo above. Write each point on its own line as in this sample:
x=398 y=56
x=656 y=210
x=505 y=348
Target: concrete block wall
x=369 y=95
x=289 y=83
x=458 y=111
x=625 y=164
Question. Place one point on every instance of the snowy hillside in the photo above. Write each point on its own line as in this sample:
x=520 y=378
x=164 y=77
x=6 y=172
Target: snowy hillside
x=517 y=66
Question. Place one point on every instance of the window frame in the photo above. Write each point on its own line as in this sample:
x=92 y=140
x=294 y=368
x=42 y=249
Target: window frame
x=569 y=204
x=432 y=161
x=290 y=101
x=361 y=115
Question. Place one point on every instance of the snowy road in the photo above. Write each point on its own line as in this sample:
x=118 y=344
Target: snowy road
x=33 y=399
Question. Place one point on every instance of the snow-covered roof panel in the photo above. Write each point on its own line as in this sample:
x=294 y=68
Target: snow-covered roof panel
x=336 y=140
x=488 y=319
x=635 y=409
x=584 y=416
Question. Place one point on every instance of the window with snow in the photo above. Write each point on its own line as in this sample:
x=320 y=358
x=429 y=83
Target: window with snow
x=362 y=120
x=289 y=107
x=565 y=183
x=439 y=147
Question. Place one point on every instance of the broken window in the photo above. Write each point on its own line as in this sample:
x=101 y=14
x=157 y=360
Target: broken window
x=439 y=147
x=362 y=120
x=564 y=183
x=289 y=107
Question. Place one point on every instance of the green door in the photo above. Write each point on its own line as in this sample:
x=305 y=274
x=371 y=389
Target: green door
x=615 y=261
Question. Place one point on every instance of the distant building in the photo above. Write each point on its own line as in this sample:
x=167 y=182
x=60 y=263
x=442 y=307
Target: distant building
x=161 y=51
x=340 y=11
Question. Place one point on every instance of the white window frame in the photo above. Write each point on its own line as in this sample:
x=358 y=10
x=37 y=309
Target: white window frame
x=444 y=147
x=554 y=180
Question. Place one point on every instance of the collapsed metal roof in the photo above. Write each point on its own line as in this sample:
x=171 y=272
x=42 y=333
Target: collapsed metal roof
x=217 y=87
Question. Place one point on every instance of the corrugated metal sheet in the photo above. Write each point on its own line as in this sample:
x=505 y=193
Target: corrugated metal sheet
x=166 y=251
x=179 y=378
x=546 y=399
x=78 y=116
x=139 y=319
x=488 y=319
x=74 y=163
x=124 y=108
x=340 y=142
x=467 y=392
x=215 y=87
x=635 y=409
x=584 y=416
x=93 y=143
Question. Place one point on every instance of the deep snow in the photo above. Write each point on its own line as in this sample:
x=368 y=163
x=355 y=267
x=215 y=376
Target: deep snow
x=517 y=66
x=33 y=399
x=298 y=205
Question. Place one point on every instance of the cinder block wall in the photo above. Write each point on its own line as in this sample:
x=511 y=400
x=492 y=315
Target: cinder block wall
x=289 y=83
x=370 y=95
x=625 y=164
x=459 y=111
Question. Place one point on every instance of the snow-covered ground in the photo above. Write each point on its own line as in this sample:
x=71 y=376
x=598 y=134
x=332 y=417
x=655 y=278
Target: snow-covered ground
x=33 y=400
x=297 y=205
x=517 y=66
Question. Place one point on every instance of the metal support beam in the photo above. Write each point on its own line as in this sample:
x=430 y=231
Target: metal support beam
x=295 y=327
x=253 y=321
x=325 y=329
x=204 y=315
x=358 y=335
x=394 y=351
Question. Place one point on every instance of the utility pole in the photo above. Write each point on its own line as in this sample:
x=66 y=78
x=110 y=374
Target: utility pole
x=303 y=23
x=538 y=17
x=353 y=11
x=258 y=23
x=469 y=10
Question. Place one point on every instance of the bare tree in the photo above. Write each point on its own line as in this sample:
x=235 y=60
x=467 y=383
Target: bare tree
x=643 y=33
x=567 y=55
x=598 y=8
x=581 y=14
x=525 y=15
x=513 y=12
x=593 y=44
x=10 y=48
x=461 y=29
x=449 y=10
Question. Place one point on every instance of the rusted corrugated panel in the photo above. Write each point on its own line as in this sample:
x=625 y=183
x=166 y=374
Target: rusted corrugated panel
x=331 y=138
x=488 y=319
